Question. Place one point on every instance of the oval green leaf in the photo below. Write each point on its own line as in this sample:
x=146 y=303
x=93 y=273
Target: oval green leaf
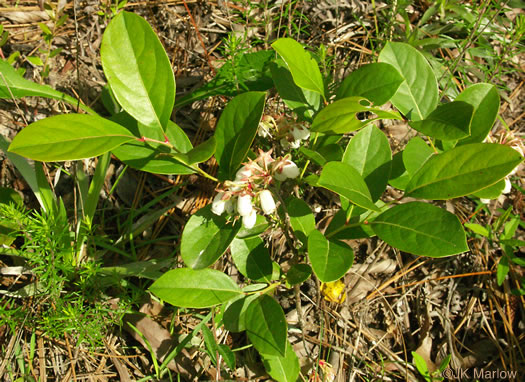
x=235 y=312
x=282 y=369
x=449 y=121
x=491 y=192
x=155 y=159
x=344 y=180
x=12 y=84
x=418 y=95
x=369 y=153
x=266 y=326
x=377 y=82
x=138 y=70
x=462 y=170
x=252 y=259
x=421 y=229
x=260 y=226
x=236 y=130
x=415 y=154
x=485 y=100
x=69 y=137
x=304 y=68
x=301 y=217
x=305 y=103
x=189 y=288
x=298 y=274
x=330 y=258
x=205 y=238
x=340 y=117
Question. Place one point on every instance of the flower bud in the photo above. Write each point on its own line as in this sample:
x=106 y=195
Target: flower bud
x=244 y=205
x=267 y=202
x=248 y=221
x=218 y=205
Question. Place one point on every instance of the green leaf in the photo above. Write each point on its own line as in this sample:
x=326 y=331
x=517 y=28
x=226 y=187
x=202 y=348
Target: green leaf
x=485 y=100
x=142 y=156
x=69 y=137
x=491 y=192
x=399 y=176
x=330 y=258
x=202 y=152
x=199 y=154
x=421 y=366
x=369 y=153
x=210 y=343
x=415 y=154
x=301 y=218
x=340 y=117
x=37 y=61
x=477 y=228
x=418 y=95
x=249 y=73
x=149 y=269
x=8 y=195
x=421 y=229
x=236 y=130
x=304 y=68
x=502 y=270
x=234 y=314
x=313 y=155
x=227 y=355
x=205 y=238
x=449 y=121
x=298 y=274
x=305 y=103
x=260 y=226
x=282 y=368
x=344 y=180
x=252 y=259
x=190 y=288
x=377 y=82
x=138 y=70
x=345 y=225
x=12 y=84
x=266 y=326
x=462 y=171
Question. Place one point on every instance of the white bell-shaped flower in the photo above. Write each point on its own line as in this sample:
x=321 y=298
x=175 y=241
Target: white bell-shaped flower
x=242 y=174
x=248 y=221
x=290 y=170
x=244 y=205
x=300 y=133
x=267 y=202
x=218 y=205
x=228 y=206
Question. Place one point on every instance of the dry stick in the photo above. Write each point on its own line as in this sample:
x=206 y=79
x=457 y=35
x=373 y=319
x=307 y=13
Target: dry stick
x=445 y=278
x=199 y=37
x=396 y=277
x=71 y=359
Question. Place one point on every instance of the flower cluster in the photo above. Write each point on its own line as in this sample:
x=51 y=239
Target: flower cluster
x=291 y=132
x=249 y=192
